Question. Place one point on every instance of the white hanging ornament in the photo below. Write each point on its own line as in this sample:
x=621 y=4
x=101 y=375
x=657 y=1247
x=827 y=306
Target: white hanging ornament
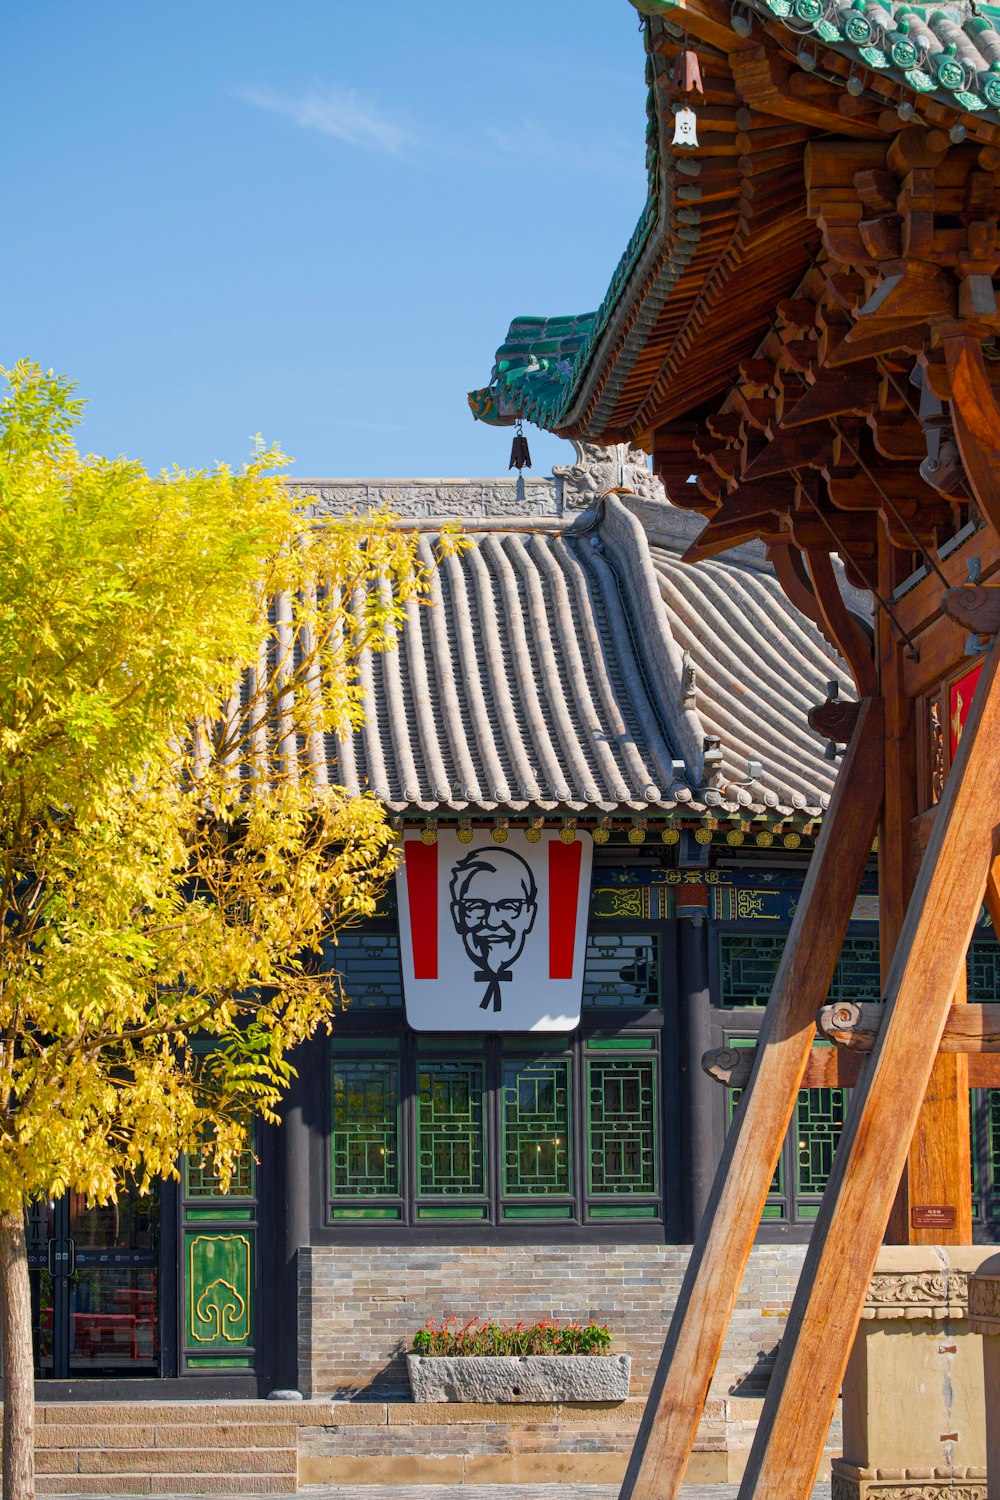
x=685 y=132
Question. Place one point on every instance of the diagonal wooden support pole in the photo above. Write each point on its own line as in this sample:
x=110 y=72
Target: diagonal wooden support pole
x=926 y=969
x=742 y=1182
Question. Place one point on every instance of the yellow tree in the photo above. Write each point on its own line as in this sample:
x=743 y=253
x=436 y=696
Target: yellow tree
x=173 y=649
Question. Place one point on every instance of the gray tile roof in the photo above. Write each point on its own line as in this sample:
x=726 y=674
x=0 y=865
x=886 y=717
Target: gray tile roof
x=579 y=666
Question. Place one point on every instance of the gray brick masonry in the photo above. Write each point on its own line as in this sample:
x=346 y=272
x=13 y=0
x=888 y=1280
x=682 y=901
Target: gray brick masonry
x=359 y=1305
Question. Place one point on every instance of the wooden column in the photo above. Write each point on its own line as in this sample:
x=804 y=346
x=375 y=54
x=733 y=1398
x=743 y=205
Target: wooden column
x=296 y=1177
x=939 y=1166
x=929 y=961
x=896 y=870
x=726 y=1235
x=701 y=1147
x=934 y=1203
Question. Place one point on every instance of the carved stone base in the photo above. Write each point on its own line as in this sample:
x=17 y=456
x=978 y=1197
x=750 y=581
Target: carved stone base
x=848 y=1482
x=914 y=1413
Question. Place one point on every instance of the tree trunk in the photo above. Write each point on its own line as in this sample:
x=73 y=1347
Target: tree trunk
x=18 y=1362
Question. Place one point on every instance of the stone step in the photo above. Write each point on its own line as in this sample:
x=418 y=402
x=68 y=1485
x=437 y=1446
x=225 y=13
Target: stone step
x=180 y=1413
x=169 y=1461
x=180 y=1484
x=193 y=1434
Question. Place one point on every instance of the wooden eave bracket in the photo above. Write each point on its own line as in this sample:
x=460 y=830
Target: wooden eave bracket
x=974 y=606
x=836 y=719
x=835 y=393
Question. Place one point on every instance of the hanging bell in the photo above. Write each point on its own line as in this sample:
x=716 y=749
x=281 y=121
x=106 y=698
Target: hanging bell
x=687 y=73
x=685 y=131
x=520 y=454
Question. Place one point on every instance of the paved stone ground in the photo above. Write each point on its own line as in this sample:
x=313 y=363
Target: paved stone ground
x=479 y=1492
x=512 y=1492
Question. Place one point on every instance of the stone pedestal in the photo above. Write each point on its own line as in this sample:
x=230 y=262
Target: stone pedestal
x=914 y=1414
x=984 y=1320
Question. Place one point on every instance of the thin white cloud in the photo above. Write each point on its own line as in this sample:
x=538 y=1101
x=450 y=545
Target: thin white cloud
x=531 y=142
x=338 y=112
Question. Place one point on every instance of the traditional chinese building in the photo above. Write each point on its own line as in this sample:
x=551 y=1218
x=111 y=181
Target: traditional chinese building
x=803 y=332
x=572 y=683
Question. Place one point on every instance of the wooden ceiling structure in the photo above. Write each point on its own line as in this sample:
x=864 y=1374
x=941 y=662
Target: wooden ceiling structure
x=804 y=333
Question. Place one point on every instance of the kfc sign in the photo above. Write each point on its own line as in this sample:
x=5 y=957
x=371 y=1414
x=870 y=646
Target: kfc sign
x=493 y=935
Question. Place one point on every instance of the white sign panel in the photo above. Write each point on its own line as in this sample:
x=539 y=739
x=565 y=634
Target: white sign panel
x=493 y=935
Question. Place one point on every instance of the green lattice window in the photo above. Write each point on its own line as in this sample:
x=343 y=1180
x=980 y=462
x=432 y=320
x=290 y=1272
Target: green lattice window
x=621 y=1126
x=858 y=975
x=450 y=1129
x=774 y=1208
x=621 y=970
x=985 y=1121
x=819 y=1123
x=535 y=1118
x=748 y=962
x=201 y=1180
x=983 y=970
x=807 y=1154
x=364 y=1136
x=368 y=964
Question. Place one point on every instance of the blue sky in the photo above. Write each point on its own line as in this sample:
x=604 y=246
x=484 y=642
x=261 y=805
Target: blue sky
x=310 y=218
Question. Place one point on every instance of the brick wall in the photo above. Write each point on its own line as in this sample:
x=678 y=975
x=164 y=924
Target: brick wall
x=359 y=1305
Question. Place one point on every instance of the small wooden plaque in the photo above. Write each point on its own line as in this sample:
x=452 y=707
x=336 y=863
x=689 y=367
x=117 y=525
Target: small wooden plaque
x=933 y=1216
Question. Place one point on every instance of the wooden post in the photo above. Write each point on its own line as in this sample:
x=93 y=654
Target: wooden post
x=934 y=1201
x=896 y=866
x=939 y=1165
x=926 y=969
x=726 y=1235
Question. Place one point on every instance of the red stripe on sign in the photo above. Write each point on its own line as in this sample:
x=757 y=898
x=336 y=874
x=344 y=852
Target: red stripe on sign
x=422 y=896
x=564 y=890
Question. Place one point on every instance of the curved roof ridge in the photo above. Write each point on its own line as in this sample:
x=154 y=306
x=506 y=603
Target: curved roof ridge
x=740 y=632
x=621 y=532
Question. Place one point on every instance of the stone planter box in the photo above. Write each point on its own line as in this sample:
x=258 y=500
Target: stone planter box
x=520 y=1377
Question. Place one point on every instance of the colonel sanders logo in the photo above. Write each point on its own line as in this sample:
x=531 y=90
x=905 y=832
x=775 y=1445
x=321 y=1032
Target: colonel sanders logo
x=493 y=936
x=494 y=903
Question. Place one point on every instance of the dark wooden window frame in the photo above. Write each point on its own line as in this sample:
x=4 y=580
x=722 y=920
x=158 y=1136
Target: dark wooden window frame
x=660 y=1024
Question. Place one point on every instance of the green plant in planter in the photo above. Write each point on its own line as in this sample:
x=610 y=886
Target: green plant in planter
x=451 y=1338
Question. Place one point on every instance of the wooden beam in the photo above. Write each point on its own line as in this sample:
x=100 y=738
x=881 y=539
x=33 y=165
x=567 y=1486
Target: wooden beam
x=852 y=640
x=896 y=866
x=969 y=1028
x=739 y=1193
x=921 y=607
x=976 y=420
x=926 y=970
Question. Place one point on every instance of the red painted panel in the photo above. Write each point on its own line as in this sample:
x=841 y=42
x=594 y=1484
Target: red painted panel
x=564 y=891
x=422 y=895
x=959 y=702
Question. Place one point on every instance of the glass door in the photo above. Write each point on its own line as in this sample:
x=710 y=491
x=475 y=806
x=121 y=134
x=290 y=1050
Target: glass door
x=95 y=1287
